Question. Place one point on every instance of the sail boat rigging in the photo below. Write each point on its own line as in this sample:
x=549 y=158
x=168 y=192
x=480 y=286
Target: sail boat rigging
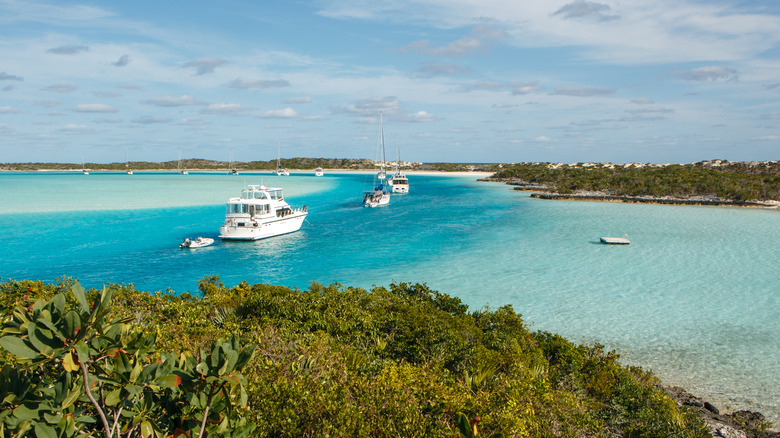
x=379 y=195
x=179 y=169
x=279 y=170
x=128 y=170
x=233 y=170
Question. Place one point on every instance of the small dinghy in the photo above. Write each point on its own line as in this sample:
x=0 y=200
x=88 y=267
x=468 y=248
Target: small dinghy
x=196 y=243
x=616 y=240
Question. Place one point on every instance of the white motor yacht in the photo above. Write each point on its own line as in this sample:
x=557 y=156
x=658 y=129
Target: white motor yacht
x=259 y=213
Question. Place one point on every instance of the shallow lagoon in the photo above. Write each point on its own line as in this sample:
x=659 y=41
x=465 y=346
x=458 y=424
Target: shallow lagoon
x=694 y=297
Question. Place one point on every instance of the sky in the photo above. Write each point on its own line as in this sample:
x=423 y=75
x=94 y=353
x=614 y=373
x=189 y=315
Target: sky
x=480 y=81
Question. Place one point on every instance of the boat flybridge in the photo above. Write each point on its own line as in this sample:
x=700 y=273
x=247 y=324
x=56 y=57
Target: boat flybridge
x=259 y=213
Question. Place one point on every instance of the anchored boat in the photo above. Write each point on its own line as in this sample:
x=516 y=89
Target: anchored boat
x=379 y=195
x=198 y=242
x=259 y=213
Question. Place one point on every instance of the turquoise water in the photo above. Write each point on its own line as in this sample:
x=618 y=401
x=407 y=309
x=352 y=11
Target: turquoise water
x=694 y=297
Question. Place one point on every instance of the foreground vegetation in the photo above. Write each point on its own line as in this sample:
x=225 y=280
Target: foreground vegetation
x=269 y=361
x=733 y=181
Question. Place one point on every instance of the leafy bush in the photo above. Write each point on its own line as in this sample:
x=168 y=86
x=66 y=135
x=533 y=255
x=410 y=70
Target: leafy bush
x=328 y=361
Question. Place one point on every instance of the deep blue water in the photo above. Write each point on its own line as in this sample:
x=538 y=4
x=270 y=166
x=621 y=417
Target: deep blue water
x=694 y=297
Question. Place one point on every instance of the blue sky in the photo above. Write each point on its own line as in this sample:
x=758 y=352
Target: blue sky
x=456 y=80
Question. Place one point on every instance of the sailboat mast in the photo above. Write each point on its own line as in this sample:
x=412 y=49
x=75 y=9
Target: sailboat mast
x=382 y=140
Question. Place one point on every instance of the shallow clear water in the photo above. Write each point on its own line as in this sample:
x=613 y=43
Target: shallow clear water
x=694 y=297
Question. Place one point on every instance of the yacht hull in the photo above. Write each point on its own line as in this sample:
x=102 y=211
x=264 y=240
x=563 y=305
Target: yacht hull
x=250 y=230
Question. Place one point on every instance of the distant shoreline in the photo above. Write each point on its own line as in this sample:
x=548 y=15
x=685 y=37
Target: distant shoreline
x=477 y=173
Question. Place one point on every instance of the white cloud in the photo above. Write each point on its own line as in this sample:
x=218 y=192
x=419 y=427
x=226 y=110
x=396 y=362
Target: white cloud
x=224 y=109
x=149 y=120
x=293 y=100
x=122 y=61
x=8 y=110
x=68 y=50
x=285 y=113
x=431 y=69
x=246 y=84
x=173 y=101
x=642 y=101
x=585 y=9
x=94 y=108
x=525 y=87
x=712 y=72
x=6 y=77
x=582 y=91
x=204 y=66
x=61 y=88
x=72 y=127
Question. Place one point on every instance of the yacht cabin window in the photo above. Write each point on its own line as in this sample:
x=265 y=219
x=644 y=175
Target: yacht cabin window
x=276 y=195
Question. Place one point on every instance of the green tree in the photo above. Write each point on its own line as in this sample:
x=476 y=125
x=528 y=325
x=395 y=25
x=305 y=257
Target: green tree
x=80 y=370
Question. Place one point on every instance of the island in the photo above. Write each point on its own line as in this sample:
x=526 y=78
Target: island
x=716 y=182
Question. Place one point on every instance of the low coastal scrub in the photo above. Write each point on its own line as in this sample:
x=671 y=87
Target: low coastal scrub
x=216 y=165
x=270 y=361
x=724 y=180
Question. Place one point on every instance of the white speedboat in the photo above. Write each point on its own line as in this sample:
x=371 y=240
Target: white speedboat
x=259 y=213
x=198 y=242
x=379 y=195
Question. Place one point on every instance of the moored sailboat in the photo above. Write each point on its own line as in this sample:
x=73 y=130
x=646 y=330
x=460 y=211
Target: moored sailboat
x=379 y=195
x=279 y=170
x=179 y=168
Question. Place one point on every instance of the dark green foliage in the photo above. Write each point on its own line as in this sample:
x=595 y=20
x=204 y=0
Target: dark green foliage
x=732 y=181
x=329 y=361
x=82 y=370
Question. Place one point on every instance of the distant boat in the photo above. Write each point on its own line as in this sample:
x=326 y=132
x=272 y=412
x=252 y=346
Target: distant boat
x=318 y=172
x=196 y=243
x=128 y=170
x=616 y=240
x=233 y=170
x=179 y=169
x=379 y=195
x=259 y=213
x=83 y=167
x=279 y=170
x=399 y=182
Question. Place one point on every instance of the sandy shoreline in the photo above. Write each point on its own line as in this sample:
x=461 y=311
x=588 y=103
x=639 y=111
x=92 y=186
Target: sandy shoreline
x=293 y=172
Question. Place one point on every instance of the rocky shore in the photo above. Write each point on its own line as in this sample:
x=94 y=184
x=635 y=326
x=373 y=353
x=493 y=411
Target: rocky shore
x=693 y=200
x=738 y=424
x=542 y=191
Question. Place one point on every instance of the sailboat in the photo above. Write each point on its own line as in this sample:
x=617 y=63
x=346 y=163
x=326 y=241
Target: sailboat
x=233 y=170
x=279 y=170
x=399 y=182
x=128 y=170
x=179 y=169
x=378 y=196
x=83 y=167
